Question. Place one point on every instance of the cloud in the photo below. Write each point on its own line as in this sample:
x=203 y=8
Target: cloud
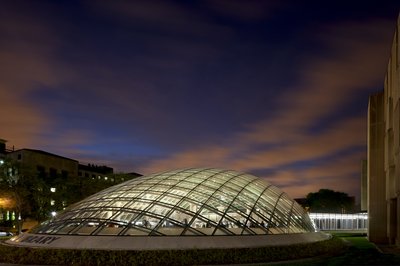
x=306 y=127
x=340 y=173
x=165 y=77
x=25 y=64
x=252 y=10
x=160 y=17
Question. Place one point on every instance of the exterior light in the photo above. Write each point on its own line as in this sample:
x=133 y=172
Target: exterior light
x=53 y=214
x=1 y=162
x=6 y=203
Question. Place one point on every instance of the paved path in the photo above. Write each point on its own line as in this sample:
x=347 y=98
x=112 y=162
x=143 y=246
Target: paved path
x=389 y=249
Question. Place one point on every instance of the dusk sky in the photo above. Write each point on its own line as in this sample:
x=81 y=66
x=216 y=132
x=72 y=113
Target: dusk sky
x=278 y=89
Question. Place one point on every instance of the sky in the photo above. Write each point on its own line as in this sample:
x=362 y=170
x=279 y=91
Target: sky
x=278 y=89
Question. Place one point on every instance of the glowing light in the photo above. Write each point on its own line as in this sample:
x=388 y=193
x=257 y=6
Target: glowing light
x=6 y=203
x=339 y=216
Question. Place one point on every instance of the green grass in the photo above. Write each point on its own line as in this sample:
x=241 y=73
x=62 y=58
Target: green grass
x=359 y=252
x=360 y=242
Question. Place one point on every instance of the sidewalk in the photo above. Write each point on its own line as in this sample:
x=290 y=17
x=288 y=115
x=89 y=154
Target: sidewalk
x=389 y=249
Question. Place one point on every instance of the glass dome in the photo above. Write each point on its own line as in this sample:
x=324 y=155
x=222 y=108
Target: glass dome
x=203 y=202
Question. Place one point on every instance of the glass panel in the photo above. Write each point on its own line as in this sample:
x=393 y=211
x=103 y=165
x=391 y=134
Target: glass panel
x=188 y=201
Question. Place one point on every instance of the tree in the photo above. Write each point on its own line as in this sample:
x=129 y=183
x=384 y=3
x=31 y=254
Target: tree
x=23 y=190
x=27 y=192
x=326 y=200
x=10 y=192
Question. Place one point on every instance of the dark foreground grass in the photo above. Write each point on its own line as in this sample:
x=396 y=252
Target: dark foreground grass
x=18 y=255
x=359 y=252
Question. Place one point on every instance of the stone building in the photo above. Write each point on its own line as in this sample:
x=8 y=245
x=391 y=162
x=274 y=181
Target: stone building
x=60 y=180
x=384 y=154
x=44 y=163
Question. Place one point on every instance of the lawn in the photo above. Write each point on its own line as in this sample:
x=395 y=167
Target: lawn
x=359 y=252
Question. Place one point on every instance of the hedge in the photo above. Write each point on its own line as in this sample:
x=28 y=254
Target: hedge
x=24 y=255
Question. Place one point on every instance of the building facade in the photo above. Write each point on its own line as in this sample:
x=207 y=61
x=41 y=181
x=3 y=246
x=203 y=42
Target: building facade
x=51 y=182
x=384 y=155
x=45 y=164
x=364 y=186
x=376 y=191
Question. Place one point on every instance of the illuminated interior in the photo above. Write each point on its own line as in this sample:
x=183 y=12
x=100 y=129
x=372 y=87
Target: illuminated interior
x=184 y=202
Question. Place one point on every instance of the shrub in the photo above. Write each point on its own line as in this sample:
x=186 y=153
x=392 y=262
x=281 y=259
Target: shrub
x=24 y=255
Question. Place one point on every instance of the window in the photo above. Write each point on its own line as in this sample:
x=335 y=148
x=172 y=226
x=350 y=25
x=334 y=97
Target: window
x=53 y=189
x=64 y=174
x=41 y=171
x=53 y=172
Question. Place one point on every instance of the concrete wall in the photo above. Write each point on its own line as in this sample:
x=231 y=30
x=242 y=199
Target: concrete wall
x=364 y=186
x=384 y=154
x=162 y=242
x=376 y=176
x=392 y=134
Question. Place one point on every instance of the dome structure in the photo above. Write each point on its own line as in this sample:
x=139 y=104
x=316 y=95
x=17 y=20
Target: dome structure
x=198 y=203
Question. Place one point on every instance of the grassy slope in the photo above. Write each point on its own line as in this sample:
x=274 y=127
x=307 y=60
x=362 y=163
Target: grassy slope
x=360 y=252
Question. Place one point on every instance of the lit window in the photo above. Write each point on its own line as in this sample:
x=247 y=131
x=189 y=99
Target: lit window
x=1 y=162
x=53 y=189
x=53 y=214
x=52 y=202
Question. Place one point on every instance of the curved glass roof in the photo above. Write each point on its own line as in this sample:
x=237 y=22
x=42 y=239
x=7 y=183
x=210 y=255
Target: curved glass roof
x=203 y=201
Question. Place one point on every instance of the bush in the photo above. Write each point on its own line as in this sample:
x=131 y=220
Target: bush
x=24 y=255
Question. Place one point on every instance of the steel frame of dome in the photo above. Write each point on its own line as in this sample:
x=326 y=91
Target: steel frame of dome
x=194 y=203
